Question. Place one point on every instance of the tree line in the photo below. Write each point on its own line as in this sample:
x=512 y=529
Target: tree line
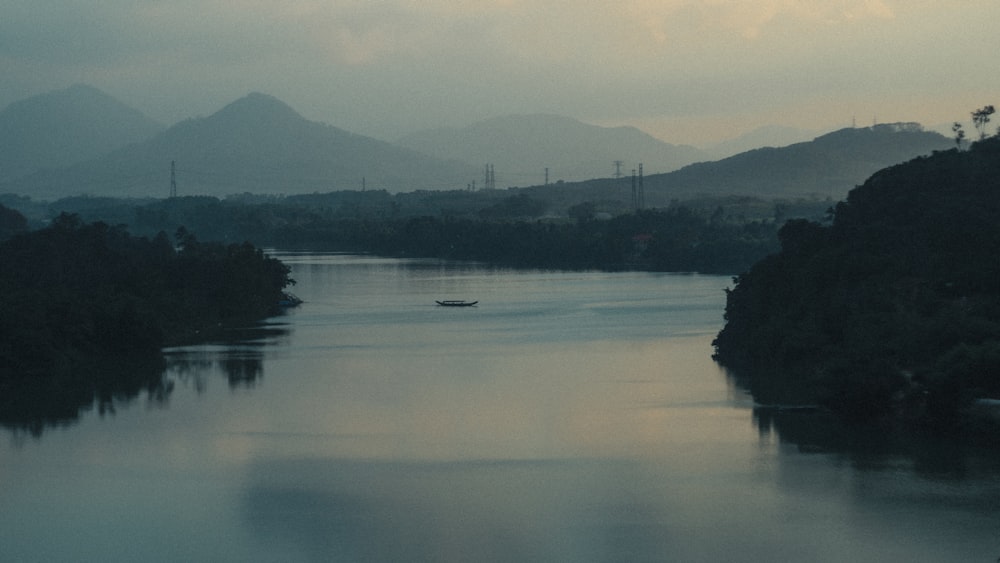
x=893 y=310
x=87 y=307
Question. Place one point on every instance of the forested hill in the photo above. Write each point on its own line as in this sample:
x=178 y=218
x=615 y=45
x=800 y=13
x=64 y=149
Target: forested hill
x=892 y=310
x=87 y=308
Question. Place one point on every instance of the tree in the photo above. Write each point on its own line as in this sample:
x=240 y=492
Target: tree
x=980 y=118
x=956 y=128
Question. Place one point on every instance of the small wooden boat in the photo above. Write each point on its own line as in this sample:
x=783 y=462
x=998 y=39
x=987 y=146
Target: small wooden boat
x=456 y=303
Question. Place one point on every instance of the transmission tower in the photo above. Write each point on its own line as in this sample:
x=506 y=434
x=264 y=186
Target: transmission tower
x=638 y=195
x=618 y=169
x=490 y=178
x=642 y=190
x=635 y=196
x=173 y=179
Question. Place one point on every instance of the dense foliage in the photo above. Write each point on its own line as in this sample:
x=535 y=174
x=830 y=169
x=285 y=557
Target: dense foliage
x=662 y=240
x=713 y=235
x=894 y=310
x=87 y=308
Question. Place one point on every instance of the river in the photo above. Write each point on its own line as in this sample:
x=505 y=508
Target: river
x=568 y=417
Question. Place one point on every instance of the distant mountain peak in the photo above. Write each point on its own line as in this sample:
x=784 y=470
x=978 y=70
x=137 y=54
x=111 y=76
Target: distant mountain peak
x=258 y=106
x=67 y=126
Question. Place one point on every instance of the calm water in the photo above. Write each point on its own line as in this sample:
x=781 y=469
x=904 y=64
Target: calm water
x=570 y=417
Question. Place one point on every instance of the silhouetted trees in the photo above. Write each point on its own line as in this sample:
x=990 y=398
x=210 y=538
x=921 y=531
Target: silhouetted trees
x=87 y=308
x=959 y=132
x=11 y=222
x=892 y=310
x=980 y=118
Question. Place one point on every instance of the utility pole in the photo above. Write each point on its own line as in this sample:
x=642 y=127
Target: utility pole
x=546 y=175
x=173 y=179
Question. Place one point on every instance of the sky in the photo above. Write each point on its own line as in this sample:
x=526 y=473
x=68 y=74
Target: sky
x=685 y=71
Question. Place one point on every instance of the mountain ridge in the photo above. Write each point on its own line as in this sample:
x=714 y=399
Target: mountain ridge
x=254 y=144
x=828 y=166
x=66 y=127
x=260 y=144
x=522 y=146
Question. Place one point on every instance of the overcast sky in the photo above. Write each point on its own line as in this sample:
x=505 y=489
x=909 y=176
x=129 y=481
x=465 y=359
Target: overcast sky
x=686 y=71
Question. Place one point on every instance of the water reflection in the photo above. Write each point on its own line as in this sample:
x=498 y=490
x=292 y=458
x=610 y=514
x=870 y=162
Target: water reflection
x=239 y=357
x=572 y=417
x=883 y=448
x=504 y=510
x=32 y=405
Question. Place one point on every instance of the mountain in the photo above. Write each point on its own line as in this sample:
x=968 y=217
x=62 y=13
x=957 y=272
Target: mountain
x=767 y=136
x=828 y=166
x=521 y=147
x=65 y=127
x=256 y=144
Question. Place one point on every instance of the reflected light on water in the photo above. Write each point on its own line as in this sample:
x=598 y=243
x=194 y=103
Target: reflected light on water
x=570 y=417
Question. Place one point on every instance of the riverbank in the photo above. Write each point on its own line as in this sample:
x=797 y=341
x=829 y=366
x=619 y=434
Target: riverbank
x=893 y=310
x=88 y=308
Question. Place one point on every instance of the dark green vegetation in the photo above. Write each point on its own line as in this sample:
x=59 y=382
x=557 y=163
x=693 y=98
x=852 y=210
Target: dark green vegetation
x=893 y=311
x=88 y=307
x=672 y=240
x=712 y=235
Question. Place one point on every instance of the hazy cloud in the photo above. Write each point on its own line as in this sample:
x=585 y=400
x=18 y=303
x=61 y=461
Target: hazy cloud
x=385 y=67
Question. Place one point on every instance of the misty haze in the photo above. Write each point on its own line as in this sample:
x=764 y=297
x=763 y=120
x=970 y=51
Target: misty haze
x=501 y=281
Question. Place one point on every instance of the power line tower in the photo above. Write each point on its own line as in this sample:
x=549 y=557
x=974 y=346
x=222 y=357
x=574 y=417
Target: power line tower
x=173 y=179
x=490 y=177
x=618 y=169
x=635 y=196
x=638 y=195
x=546 y=175
x=642 y=190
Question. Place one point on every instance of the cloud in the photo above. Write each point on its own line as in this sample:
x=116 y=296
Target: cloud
x=365 y=64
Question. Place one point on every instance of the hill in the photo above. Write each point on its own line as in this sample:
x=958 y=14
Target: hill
x=66 y=127
x=256 y=144
x=825 y=168
x=521 y=147
x=894 y=310
x=767 y=136
x=828 y=166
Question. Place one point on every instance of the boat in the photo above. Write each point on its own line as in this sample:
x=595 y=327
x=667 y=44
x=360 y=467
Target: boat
x=456 y=303
x=288 y=300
